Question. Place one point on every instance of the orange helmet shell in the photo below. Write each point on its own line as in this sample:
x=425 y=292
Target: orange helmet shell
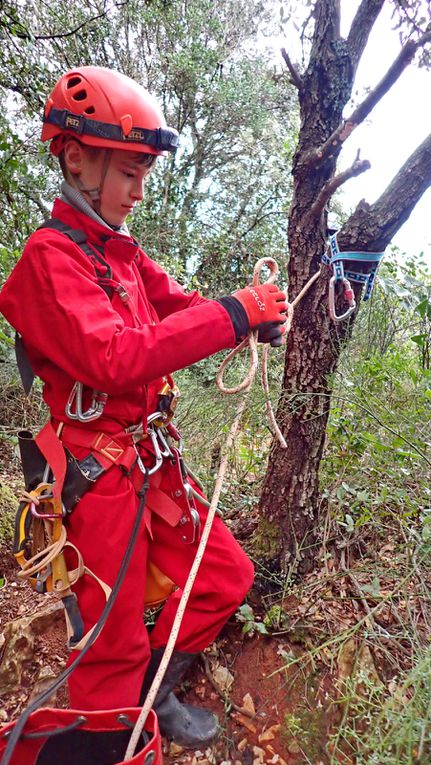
x=104 y=108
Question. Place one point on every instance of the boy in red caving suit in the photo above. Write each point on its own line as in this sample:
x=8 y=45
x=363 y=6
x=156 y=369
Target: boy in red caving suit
x=104 y=327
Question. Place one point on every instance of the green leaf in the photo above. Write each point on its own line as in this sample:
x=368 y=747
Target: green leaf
x=420 y=340
x=260 y=627
x=422 y=308
x=246 y=612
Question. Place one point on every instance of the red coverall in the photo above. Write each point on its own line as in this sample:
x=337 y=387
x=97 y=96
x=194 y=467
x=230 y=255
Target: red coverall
x=73 y=331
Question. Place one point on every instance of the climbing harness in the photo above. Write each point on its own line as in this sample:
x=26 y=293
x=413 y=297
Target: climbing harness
x=336 y=261
x=40 y=536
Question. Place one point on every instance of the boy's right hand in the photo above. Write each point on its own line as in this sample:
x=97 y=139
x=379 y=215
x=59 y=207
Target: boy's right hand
x=263 y=304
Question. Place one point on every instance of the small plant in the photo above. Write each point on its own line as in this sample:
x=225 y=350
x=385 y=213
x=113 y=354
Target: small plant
x=292 y=726
x=252 y=625
x=276 y=618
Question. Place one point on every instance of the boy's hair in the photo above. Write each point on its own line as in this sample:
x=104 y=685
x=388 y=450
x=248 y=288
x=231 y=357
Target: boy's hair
x=147 y=160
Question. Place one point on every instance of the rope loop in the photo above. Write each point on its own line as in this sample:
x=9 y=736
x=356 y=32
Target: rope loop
x=251 y=342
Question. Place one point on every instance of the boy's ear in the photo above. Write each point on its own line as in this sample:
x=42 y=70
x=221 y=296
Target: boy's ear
x=74 y=156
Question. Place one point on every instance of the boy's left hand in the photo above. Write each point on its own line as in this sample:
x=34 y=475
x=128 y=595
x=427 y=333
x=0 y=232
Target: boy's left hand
x=270 y=332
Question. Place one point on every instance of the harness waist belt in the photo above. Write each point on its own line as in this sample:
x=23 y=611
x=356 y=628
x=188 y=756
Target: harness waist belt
x=110 y=451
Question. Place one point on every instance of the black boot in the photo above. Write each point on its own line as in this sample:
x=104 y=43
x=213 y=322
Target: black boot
x=188 y=726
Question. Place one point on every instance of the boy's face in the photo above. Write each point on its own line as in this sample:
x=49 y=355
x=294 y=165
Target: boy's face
x=122 y=186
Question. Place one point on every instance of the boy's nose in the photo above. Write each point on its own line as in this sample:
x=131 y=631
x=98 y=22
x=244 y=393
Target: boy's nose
x=138 y=190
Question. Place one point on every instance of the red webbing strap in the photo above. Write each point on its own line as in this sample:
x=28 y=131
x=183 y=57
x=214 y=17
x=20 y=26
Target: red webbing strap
x=162 y=504
x=53 y=451
x=107 y=449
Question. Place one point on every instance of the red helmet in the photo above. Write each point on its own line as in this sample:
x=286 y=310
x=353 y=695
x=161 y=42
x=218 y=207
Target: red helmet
x=107 y=109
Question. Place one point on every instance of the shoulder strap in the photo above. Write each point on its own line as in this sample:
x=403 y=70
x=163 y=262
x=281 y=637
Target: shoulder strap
x=24 y=366
x=103 y=274
x=79 y=237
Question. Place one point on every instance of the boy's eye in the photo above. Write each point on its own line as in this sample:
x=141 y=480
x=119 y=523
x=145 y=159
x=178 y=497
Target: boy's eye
x=128 y=175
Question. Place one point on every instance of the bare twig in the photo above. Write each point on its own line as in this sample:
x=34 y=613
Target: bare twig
x=294 y=74
x=359 y=166
x=24 y=35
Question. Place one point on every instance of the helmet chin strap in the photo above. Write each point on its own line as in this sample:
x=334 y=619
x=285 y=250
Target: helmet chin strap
x=96 y=193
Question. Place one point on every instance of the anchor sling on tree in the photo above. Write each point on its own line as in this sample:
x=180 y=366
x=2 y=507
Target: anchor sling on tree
x=104 y=327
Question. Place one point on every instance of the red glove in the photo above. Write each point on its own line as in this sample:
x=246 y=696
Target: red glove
x=263 y=303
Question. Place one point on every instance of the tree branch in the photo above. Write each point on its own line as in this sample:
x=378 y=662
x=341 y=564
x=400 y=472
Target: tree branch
x=361 y=27
x=294 y=74
x=362 y=111
x=330 y=187
x=372 y=227
x=24 y=35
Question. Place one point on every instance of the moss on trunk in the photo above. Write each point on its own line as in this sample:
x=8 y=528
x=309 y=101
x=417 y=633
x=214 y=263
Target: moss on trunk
x=8 y=507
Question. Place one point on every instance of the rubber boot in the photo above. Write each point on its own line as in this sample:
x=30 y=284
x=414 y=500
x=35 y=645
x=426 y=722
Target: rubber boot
x=188 y=726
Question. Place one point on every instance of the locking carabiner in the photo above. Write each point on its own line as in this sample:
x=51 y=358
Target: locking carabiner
x=348 y=296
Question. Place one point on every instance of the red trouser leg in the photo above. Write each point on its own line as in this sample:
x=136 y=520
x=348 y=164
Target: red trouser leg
x=224 y=577
x=111 y=673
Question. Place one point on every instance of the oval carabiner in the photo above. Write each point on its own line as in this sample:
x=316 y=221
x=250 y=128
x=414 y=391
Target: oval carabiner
x=73 y=407
x=348 y=295
x=159 y=458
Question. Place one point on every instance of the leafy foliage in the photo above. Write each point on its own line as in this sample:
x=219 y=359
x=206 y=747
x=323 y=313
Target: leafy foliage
x=220 y=202
x=378 y=432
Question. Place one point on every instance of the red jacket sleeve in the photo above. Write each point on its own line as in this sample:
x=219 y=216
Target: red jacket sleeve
x=164 y=293
x=54 y=301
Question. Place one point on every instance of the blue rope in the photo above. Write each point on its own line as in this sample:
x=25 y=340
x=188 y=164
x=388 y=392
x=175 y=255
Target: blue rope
x=337 y=258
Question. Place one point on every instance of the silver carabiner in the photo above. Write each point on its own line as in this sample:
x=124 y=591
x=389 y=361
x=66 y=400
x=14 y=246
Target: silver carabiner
x=155 y=416
x=73 y=407
x=165 y=449
x=157 y=453
x=348 y=292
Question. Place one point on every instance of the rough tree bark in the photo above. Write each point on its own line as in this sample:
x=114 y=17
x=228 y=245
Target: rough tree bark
x=289 y=506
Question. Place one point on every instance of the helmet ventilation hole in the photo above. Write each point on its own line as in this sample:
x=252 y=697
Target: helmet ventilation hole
x=90 y=110
x=73 y=82
x=81 y=95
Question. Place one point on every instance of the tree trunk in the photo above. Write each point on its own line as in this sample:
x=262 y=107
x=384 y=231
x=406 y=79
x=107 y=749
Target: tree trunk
x=289 y=506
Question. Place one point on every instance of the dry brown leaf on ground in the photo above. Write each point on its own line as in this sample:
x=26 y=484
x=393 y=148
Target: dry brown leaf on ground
x=246 y=723
x=223 y=678
x=269 y=733
x=248 y=707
